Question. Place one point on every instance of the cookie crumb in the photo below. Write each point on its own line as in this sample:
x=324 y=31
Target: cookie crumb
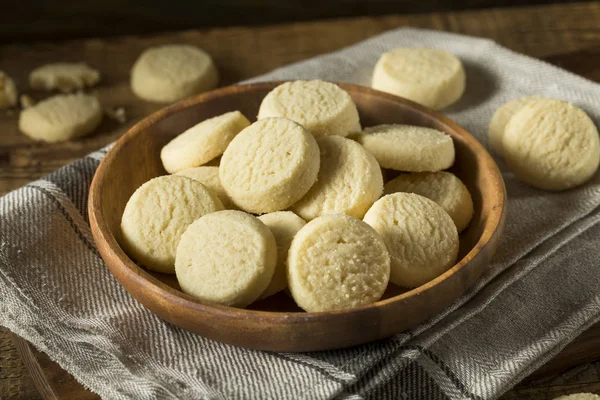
x=118 y=114
x=26 y=101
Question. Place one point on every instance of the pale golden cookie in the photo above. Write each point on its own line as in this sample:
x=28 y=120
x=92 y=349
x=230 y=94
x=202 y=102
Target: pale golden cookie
x=284 y=225
x=433 y=78
x=321 y=107
x=61 y=117
x=227 y=257
x=169 y=73
x=337 y=262
x=209 y=177
x=552 y=145
x=442 y=187
x=269 y=165
x=66 y=77
x=8 y=91
x=202 y=142
x=420 y=236
x=158 y=213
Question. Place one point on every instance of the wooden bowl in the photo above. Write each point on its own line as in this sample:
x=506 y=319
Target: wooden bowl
x=276 y=323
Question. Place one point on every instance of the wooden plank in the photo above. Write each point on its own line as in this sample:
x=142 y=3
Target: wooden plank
x=241 y=53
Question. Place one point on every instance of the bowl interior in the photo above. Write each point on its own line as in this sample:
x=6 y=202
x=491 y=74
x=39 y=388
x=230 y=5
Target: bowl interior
x=136 y=160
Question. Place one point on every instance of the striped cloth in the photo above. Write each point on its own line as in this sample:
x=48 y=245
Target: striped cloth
x=57 y=293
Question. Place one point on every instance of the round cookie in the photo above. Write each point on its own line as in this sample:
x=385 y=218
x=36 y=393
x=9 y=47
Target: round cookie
x=65 y=77
x=433 y=78
x=579 y=396
x=209 y=177
x=269 y=165
x=501 y=118
x=349 y=181
x=551 y=145
x=158 y=213
x=227 y=257
x=321 y=107
x=202 y=142
x=61 y=117
x=420 y=236
x=337 y=262
x=442 y=187
x=8 y=91
x=169 y=73
x=407 y=147
x=283 y=225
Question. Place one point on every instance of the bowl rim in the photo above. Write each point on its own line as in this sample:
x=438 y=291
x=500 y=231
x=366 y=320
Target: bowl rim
x=105 y=239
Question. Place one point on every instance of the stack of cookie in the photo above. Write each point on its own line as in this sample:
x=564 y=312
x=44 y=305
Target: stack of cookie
x=295 y=201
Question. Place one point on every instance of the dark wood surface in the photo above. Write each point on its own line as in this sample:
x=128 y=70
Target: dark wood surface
x=566 y=35
x=265 y=325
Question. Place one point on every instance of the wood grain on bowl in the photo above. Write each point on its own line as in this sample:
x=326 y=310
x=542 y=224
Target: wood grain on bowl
x=274 y=323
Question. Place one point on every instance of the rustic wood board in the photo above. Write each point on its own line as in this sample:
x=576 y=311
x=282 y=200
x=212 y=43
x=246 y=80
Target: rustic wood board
x=566 y=35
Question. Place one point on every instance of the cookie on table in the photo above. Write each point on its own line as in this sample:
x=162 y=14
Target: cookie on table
x=407 y=147
x=579 y=396
x=8 y=91
x=445 y=188
x=321 y=107
x=501 y=118
x=66 y=77
x=551 y=145
x=270 y=165
x=169 y=73
x=61 y=118
x=227 y=257
x=349 y=181
x=202 y=142
x=284 y=225
x=158 y=213
x=420 y=236
x=337 y=262
x=433 y=78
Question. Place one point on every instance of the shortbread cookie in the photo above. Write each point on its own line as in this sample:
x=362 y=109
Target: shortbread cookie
x=61 y=117
x=169 y=73
x=66 y=77
x=407 y=147
x=8 y=91
x=579 y=396
x=336 y=262
x=202 y=142
x=552 y=145
x=321 y=107
x=442 y=187
x=420 y=236
x=227 y=257
x=349 y=181
x=209 y=177
x=284 y=225
x=501 y=118
x=158 y=213
x=433 y=78
x=269 y=165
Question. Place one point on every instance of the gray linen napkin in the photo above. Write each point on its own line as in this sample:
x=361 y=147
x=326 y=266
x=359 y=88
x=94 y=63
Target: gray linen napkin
x=57 y=293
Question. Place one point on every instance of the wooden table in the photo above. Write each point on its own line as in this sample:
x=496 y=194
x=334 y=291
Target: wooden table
x=566 y=35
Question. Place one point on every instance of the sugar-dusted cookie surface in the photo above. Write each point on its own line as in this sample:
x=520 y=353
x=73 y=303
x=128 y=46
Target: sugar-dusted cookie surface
x=202 y=142
x=270 y=165
x=337 y=262
x=420 y=236
x=227 y=257
x=433 y=78
x=172 y=72
x=321 y=107
x=158 y=213
x=209 y=177
x=349 y=181
x=552 y=145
